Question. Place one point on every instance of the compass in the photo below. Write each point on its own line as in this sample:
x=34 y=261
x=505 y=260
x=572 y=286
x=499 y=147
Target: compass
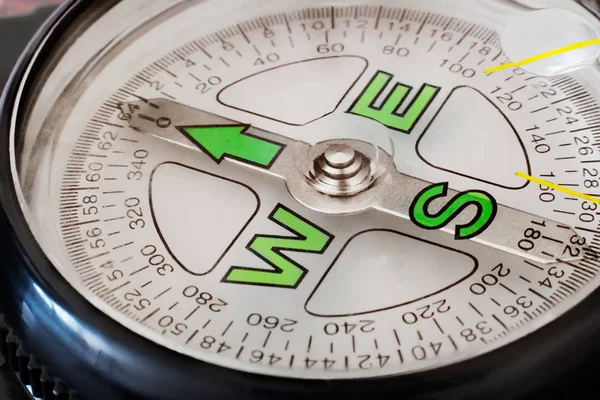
x=300 y=198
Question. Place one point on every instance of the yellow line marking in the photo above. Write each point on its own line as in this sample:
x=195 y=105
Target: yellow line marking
x=542 y=56
x=558 y=187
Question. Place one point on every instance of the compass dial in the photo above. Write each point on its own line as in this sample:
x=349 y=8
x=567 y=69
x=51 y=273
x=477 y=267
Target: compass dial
x=323 y=192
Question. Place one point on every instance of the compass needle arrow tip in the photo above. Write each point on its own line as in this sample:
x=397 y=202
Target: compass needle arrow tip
x=233 y=141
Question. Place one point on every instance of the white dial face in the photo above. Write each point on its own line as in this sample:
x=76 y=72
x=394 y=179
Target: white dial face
x=179 y=193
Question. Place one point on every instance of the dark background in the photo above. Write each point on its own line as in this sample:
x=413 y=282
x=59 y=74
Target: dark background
x=16 y=30
x=19 y=20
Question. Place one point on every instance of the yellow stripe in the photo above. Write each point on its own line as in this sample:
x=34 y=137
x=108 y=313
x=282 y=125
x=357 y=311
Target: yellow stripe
x=558 y=187
x=544 y=55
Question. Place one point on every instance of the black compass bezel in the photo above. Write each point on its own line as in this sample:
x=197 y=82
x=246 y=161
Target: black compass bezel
x=101 y=359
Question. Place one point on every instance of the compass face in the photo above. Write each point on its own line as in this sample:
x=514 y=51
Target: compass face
x=318 y=189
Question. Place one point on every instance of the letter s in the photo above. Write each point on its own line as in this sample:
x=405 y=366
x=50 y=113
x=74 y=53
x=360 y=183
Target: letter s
x=485 y=203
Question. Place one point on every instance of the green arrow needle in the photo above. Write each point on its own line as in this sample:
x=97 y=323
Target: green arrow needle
x=232 y=141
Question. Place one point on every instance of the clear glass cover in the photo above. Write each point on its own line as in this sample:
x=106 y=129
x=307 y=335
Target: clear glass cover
x=320 y=189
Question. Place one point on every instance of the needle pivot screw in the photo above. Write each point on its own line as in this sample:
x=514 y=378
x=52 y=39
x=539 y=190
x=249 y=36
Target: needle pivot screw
x=341 y=171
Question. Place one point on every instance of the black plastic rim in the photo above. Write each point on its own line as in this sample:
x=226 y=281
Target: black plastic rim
x=101 y=359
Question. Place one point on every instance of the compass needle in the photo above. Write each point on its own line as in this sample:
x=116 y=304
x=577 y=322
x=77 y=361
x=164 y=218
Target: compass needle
x=559 y=187
x=301 y=199
x=542 y=56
